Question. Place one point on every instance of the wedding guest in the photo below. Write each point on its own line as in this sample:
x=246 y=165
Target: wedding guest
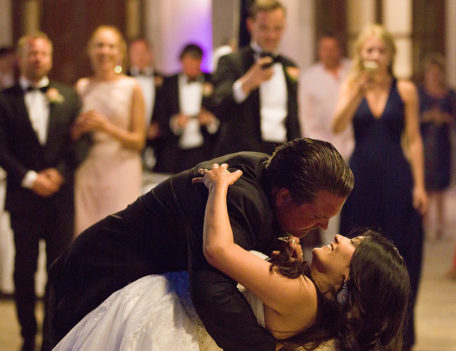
x=256 y=87
x=389 y=192
x=113 y=114
x=8 y=67
x=438 y=112
x=227 y=47
x=318 y=92
x=298 y=188
x=39 y=158
x=185 y=115
x=141 y=59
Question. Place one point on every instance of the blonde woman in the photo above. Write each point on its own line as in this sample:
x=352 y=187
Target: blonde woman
x=113 y=112
x=389 y=192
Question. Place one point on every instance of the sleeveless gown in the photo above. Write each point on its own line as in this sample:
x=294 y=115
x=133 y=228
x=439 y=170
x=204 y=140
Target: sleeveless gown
x=436 y=141
x=382 y=196
x=110 y=177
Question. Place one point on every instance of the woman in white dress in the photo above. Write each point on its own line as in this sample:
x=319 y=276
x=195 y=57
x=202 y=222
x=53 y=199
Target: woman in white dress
x=113 y=112
x=303 y=306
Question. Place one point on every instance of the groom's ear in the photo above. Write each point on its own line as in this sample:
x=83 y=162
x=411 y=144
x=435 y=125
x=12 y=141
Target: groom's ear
x=282 y=198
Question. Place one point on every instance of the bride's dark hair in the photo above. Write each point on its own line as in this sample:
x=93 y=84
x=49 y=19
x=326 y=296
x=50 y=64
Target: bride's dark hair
x=374 y=314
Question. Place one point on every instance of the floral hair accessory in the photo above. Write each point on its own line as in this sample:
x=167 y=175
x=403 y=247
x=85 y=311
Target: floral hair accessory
x=54 y=96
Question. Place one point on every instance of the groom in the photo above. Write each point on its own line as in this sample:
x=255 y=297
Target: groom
x=299 y=188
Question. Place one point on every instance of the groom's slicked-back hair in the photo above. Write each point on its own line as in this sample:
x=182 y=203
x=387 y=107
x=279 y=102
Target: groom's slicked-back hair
x=306 y=166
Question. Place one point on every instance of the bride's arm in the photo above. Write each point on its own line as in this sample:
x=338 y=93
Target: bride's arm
x=282 y=294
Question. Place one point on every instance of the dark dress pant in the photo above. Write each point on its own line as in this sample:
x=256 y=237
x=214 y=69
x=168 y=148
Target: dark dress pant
x=54 y=226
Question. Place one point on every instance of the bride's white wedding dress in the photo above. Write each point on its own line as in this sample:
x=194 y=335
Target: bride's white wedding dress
x=153 y=313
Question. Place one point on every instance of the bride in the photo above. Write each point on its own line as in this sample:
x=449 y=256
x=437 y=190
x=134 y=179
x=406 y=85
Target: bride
x=334 y=303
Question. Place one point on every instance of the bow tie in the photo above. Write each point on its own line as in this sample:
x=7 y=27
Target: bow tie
x=274 y=57
x=267 y=53
x=193 y=80
x=42 y=89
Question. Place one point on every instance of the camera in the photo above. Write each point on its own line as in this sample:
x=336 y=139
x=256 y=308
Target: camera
x=274 y=59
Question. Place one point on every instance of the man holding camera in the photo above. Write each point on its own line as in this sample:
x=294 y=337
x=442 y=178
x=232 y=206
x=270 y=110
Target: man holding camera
x=256 y=88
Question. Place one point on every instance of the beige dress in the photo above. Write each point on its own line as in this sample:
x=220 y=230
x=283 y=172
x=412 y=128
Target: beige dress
x=110 y=177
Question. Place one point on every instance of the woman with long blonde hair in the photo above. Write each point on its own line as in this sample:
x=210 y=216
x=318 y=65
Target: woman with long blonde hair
x=389 y=194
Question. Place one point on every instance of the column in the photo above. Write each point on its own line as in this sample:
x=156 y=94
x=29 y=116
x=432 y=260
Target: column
x=133 y=20
x=172 y=24
x=397 y=17
x=6 y=30
x=299 y=38
x=31 y=18
x=359 y=15
x=450 y=43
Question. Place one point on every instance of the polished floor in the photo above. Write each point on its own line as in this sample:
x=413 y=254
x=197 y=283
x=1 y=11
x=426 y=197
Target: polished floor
x=436 y=309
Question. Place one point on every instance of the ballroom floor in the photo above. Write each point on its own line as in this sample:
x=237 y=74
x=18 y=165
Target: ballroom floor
x=436 y=309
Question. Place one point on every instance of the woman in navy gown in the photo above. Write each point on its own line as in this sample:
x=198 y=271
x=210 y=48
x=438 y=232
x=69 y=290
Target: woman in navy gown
x=437 y=109
x=387 y=162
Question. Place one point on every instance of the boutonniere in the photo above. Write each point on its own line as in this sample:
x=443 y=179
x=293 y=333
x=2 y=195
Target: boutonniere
x=208 y=89
x=293 y=73
x=158 y=80
x=54 y=96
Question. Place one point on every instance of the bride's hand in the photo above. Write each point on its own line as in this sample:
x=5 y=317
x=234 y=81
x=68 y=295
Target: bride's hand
x=290 y=250
x=218 y=176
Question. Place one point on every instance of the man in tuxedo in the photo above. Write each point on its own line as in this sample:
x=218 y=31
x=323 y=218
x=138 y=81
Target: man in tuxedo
x=184 y=114
x=299 y=188
x=318 y=92
x=256 y=87
x=39 y=157
x=141 y=61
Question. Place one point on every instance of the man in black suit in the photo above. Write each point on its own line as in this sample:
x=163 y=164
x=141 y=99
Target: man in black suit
x=299 y=188
x=184 y=114
x=141 y=61
x=39 y=158
x=256 y=88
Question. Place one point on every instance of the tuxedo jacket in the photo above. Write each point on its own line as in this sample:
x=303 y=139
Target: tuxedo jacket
x=20 y=150
x=161 y=232
x=158 y=80
x=240 y=123
x=171 y=157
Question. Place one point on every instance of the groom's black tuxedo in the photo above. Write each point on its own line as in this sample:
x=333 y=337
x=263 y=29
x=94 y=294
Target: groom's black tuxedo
x=241 y=123
x=34 y=217
x=162 y=231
